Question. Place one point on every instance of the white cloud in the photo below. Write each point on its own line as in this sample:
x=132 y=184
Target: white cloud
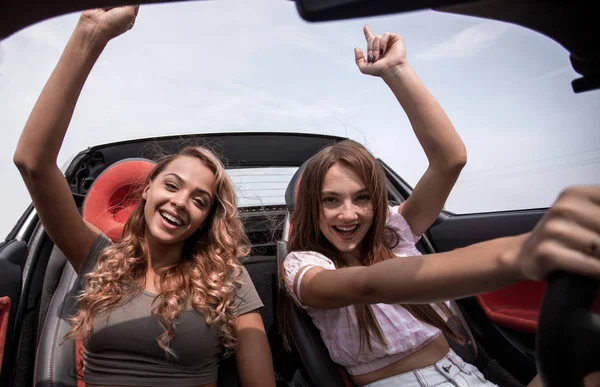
x=465 y=43
x=553 y=73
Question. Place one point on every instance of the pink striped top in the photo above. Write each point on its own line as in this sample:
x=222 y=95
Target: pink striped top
x=404 y=333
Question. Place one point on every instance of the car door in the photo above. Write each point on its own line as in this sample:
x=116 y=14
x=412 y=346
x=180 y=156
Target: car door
x=12 y=257
x=13 y=254
x=503 y=322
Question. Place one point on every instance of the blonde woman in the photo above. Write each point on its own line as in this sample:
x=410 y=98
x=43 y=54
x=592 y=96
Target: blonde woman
x=166 y=302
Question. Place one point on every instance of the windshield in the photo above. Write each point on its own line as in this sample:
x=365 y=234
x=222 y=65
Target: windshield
x=261 y=186
x=231 y=66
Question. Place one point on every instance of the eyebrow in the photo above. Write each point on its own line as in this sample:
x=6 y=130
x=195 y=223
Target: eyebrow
x=333 y=193
x=181 y=181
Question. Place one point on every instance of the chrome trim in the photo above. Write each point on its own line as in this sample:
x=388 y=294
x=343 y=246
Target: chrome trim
x=25 y=226
x=286 y=227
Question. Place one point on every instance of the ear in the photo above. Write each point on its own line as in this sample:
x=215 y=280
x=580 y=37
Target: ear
x=145 y=192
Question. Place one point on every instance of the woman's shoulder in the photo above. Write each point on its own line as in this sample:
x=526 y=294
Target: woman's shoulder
x=308 y=257
x=246 y=295
x=101 y=243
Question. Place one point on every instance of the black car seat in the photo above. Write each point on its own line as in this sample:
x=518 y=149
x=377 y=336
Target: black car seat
x=317 y=368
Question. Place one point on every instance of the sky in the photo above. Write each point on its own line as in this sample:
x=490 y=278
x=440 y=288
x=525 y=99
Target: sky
x=255 y=65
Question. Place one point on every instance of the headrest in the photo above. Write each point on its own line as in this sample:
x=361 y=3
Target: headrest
x=292 y=188
x=110 y=200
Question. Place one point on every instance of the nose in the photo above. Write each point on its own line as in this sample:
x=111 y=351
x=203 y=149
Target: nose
x=348 y=211
x=178 y=200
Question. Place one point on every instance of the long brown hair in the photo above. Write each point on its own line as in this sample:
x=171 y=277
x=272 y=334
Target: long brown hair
x=206 y=277
x=305 y=234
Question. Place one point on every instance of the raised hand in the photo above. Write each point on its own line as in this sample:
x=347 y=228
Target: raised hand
x=383 y=53
x=111 y=22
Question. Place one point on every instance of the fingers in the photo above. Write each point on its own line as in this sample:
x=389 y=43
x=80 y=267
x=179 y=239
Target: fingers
x=383 y=43
x=373 y=45
x=359 y=57
x=132 y=12
x=575 y=237
x=375 y=48
x=557 y=256
x=568 y=238
x=136 y=9
x=590 y=193
x=369 y=39
x=367 y=32
x=377 y=45
x=128 y=8
x=577 y=205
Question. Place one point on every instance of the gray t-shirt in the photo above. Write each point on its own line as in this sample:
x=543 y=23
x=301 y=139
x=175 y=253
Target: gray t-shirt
x=122 y=350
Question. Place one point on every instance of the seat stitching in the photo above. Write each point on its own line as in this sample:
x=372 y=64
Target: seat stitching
x=55 y=338
x=37 y=352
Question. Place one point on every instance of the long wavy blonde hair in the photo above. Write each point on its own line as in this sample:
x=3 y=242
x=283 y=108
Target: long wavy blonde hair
x=206 y=277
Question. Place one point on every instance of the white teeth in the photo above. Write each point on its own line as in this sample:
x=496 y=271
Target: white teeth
x=352 y=228
x=171 y=218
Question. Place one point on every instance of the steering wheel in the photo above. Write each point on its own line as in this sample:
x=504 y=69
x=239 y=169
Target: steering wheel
x=568 y=335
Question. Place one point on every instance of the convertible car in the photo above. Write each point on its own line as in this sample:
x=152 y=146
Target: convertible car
x=532 y=327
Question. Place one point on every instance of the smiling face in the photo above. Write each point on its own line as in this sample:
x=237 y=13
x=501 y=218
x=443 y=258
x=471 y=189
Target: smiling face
x=346 y=210
x=179 y=200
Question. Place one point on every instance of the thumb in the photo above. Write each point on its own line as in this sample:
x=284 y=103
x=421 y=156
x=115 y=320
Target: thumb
x=359 y=57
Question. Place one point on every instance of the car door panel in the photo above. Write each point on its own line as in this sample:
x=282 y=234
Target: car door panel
x=12 y=257
x=4 y=315
x=517 y=306
x=504 y=321
x=462 y=230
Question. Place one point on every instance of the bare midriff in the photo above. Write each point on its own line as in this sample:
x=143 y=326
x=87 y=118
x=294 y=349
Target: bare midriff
x=102 y=385
x=424 y=357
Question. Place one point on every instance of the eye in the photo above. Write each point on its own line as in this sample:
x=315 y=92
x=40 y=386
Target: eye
x=200 y=202
x=363 y=197
x=329 y=199
x=170 y=186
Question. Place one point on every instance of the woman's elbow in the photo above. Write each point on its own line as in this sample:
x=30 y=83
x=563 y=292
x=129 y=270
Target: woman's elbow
x=458 y=160
x=454 y=164
x=27 y=165
x=22 y=161
x=450 y=162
